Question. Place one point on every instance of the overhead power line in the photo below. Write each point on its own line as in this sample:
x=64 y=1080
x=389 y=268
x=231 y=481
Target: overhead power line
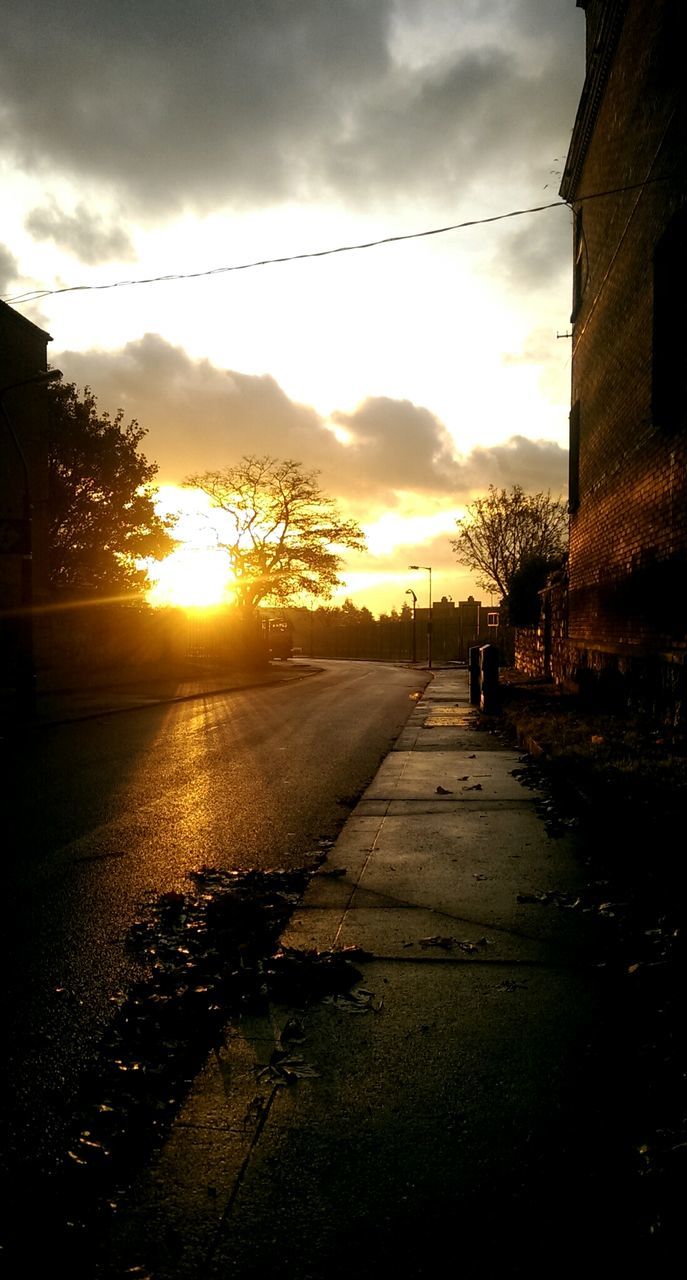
x=35 y=295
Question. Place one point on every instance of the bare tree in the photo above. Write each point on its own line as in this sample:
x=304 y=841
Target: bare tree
x=285 y=533
x=504 y=530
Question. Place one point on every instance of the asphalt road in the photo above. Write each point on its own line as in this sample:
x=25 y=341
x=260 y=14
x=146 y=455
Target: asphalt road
x=104 y=813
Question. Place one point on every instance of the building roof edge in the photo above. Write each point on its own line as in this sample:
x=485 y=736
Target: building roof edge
x=598 y=69
x=18 y=318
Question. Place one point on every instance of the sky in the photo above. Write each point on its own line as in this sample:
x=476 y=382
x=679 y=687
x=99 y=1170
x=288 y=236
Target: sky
x=148 y=138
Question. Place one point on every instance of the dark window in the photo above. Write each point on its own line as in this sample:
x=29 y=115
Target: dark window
x=580 y=265
x=669 y=372
x=574 y=459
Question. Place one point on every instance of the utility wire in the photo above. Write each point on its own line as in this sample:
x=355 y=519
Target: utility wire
x=36 y=294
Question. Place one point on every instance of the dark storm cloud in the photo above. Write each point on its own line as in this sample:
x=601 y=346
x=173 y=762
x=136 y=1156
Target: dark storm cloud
x=9 y=269
x=537 y=465
x=401 y=442
x=537 y=253
x=83 y=233
x=185 y=105
x=451 y=125
x=199 y=417
x=202 y=418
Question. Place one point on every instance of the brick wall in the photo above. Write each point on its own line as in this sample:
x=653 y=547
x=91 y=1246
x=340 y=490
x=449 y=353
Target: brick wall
x=628 y=535
x=544 y=651
x=529 y=651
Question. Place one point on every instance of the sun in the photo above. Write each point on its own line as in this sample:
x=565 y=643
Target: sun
x=196 y=574
x=192 y=577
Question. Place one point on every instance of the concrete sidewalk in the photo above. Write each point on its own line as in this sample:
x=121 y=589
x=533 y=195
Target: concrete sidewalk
x=462 y=1109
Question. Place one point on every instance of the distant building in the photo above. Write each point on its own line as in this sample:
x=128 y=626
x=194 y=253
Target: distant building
x=455 y=628
x=628 y=422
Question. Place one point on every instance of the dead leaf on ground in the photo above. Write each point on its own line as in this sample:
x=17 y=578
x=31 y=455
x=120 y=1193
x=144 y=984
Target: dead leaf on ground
x=293 y=1032
x=359 y=1000
x=446 y=943
x=283 y=1068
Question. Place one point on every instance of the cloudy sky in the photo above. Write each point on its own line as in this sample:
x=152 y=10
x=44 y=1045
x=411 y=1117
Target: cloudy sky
x=149 y=138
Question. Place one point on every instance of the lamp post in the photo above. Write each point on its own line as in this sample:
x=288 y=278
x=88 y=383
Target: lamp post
x=428 y=569
x=410 y=592
x=22 y=545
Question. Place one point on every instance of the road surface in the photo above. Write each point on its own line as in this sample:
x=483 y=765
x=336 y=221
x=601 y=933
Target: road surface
x=104 y=813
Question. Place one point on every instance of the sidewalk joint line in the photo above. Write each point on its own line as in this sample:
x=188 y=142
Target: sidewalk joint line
x=402 y=904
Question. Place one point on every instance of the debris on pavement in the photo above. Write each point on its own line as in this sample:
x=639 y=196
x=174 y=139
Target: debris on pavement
x=301 y=978
x=358 y=1000
x=285 y=1068
x=448 y=943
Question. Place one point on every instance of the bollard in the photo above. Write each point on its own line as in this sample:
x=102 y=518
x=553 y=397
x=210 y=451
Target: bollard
x=489 y=683
x=473 y=668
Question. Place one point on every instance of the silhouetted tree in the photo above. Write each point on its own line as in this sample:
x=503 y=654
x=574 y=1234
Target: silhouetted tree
x=284 y=531
x=524 y=606
x=351 y=615
x=102 y=517
x=504 y=529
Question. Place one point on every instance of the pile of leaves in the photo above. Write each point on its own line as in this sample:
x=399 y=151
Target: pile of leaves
x=210 y=954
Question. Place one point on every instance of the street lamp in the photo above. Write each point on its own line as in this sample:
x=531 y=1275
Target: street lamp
x=428 y=569
x=21 y=543
x=410 y=592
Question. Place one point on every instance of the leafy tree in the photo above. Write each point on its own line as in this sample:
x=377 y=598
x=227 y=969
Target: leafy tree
x=504 y=530
x=284 y=532
x=100 y=500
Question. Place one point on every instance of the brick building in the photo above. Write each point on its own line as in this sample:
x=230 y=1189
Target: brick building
x=23 y=446
x=23 y=490
x=628 y=423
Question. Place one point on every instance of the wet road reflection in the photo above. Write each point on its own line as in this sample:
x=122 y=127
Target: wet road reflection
x=104 y=812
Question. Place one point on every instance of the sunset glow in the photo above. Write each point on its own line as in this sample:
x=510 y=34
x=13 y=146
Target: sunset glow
x=190 y=577
x=196 y=574
x=410 y=375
